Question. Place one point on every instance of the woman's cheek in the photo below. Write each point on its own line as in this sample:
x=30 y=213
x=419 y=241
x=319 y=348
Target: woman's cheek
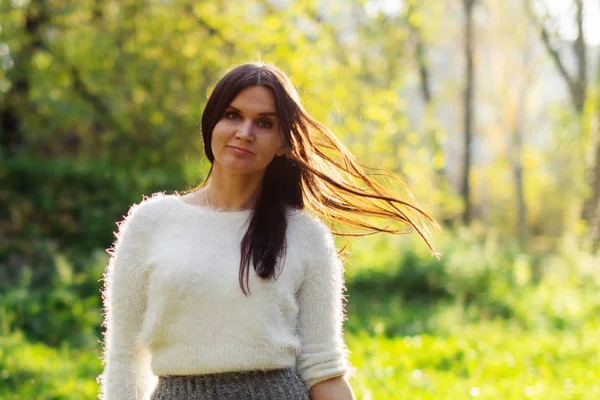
x=219 y=135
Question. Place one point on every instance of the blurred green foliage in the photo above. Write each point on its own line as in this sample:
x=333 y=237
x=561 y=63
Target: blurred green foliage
x=100 y=103
x=59 y=217
x=73 y=203
x=486 y=360
x=37 y=371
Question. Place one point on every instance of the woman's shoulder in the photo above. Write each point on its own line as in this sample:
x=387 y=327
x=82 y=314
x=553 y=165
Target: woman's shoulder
x=313 y=237
x=150 y=208
x=153 y=204
x=309 y=225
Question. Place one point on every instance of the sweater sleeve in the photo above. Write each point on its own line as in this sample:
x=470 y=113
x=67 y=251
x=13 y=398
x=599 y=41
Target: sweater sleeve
x=321 y=312
x=127 y=374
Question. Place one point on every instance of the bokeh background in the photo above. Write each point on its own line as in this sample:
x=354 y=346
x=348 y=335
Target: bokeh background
x=489 y=111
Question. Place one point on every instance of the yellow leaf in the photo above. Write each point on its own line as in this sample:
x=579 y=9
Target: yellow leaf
x=42 y=60
x=412 y=138
x=415 y=19
x=438 y=160
x=189 y=50
x=138 y=95
x=157 y=118
x=272 y=23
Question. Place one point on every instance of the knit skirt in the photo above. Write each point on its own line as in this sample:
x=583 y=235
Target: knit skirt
x=281 y=384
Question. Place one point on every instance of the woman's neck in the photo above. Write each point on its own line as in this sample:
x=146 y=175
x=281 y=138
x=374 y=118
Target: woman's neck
x=232 y=192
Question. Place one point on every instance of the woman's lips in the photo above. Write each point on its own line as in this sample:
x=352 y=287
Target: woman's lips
x=238 y=150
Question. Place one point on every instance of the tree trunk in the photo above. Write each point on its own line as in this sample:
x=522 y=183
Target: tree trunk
x=441 y=180
x=591 y=206
x=595 y=220
x=468 y=110
x=16 y=101
x=578 y=86
x=517 y=166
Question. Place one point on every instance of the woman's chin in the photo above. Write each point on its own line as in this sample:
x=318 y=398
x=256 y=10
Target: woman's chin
x=239 y=167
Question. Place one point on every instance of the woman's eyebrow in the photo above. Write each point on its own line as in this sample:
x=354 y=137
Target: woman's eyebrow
x=265 y=114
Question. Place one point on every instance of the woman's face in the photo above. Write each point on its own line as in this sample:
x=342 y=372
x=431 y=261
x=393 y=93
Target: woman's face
x=247 y=137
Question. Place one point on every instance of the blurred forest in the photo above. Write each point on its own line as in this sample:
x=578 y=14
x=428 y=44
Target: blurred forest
x=488 y=110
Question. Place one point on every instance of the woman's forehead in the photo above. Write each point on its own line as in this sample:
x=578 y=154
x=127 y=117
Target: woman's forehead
x=255 y=100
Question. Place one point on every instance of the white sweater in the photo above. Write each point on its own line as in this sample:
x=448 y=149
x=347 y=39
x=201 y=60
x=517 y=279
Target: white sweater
x=173 y=304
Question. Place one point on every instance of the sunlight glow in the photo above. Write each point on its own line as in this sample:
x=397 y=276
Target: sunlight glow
x=563 y=11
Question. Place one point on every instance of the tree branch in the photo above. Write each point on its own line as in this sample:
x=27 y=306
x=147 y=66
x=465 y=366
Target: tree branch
x=421 y=59
x=94 y=100
x=581 y=54
x=189 y=9
x=572 y=83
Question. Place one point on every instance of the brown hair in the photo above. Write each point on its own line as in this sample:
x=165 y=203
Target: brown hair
x=318 y=174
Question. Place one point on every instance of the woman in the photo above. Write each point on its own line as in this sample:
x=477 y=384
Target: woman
x=235 y=290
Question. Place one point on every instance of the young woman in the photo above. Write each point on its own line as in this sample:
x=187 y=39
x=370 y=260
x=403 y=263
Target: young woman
x=235 y=289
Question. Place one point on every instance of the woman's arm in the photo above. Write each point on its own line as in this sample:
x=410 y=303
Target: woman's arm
x=323 y=355
x=127 y=374
x=336 y=388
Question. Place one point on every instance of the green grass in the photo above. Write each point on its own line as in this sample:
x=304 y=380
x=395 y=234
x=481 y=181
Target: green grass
x=36 y=371
x=484 y=361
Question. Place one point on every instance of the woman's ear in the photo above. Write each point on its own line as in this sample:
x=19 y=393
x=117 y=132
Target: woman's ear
x=283 y=150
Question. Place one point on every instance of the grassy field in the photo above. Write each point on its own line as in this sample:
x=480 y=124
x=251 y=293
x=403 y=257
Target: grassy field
x=485 y=361
x=417 y=328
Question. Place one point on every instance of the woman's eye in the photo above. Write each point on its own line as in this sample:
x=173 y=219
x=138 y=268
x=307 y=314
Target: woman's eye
x=265 y=124
x=231 y=115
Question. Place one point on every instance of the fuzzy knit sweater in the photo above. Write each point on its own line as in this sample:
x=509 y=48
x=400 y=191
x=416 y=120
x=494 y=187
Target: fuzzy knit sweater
x=173 y=304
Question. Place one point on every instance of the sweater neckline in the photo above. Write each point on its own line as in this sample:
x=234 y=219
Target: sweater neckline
x=206 y=210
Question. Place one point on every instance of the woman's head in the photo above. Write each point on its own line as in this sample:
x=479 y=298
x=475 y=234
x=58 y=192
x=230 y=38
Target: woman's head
x=303 y=165
x=247 y=137
x=253 y=107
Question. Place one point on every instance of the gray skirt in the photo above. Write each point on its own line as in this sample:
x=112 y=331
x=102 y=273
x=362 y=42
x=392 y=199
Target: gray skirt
x=280 y=384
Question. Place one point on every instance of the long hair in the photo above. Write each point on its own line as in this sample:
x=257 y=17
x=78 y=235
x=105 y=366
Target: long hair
x=317 y=174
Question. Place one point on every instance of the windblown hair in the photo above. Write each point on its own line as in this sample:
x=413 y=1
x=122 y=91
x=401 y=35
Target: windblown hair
x=318 y=174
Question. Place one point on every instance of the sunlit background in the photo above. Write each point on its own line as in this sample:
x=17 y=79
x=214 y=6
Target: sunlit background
x=489 y=110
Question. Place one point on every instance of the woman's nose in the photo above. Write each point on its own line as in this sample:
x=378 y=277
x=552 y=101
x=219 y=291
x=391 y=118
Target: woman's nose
x=245 y=130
